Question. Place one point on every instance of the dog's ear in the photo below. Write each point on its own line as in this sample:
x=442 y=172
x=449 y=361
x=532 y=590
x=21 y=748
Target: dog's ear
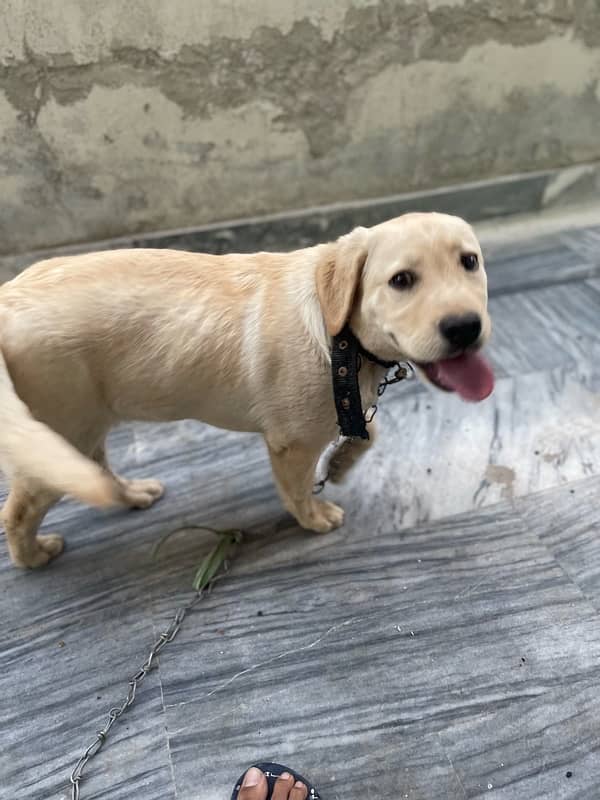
x=338 y=276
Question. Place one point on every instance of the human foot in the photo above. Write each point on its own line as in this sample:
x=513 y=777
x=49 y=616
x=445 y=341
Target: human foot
x=272 y=782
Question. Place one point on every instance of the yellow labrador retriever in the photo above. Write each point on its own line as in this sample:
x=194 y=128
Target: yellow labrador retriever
x=237 y=341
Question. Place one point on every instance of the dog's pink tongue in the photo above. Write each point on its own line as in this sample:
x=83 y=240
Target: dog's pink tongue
x=469 y=375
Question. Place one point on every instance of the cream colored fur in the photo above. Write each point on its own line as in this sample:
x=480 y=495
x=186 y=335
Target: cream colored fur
x=238 y=341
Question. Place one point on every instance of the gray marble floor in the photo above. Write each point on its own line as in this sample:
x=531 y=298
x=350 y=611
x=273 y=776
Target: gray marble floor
x=444 y=644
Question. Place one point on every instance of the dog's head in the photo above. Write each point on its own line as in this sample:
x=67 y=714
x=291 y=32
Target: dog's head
x=414 y=289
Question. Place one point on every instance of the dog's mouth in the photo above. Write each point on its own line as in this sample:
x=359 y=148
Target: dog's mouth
x=469 y=375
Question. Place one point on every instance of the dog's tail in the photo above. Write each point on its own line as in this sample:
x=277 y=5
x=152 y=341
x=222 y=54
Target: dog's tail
x=30 y=449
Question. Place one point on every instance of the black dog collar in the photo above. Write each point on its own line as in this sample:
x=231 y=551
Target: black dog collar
x=346 y=355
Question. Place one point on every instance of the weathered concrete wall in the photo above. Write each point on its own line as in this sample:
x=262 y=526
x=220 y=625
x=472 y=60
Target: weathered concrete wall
x=120 y=117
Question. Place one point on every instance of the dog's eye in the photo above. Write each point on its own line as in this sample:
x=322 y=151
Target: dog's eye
x=469 y=261
x=403 y=280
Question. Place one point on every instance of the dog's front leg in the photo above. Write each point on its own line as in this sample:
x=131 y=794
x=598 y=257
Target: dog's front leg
x=348 y=453
x=294 y=470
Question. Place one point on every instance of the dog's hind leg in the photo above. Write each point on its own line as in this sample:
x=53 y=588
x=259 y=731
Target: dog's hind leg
x=22 y=515
x=136 y=493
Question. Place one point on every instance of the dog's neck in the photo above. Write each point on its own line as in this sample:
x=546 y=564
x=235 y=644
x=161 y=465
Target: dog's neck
x=348 y=333
x=347 y=357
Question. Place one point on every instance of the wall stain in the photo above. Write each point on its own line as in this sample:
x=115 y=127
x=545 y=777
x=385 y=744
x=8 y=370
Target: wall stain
x=306 y=75
x=106 y=189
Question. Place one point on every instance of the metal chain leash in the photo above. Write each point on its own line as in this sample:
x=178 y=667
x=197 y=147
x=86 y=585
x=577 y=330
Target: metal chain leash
x=206 y=577
x=204 y=581
x=404 y=371
x=114 y=713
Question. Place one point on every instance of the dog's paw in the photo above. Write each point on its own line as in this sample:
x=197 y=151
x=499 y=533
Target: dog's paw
x=46 y=548
x=141 y=493
x=323 y=517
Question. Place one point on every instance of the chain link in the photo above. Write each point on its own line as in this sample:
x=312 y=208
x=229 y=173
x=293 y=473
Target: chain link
x=116 y=711
x=404 y=371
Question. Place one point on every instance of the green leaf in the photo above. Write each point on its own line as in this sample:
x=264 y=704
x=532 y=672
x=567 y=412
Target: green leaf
x=213 y=562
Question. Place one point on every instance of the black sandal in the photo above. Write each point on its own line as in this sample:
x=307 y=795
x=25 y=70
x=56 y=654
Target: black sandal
x=272 y=772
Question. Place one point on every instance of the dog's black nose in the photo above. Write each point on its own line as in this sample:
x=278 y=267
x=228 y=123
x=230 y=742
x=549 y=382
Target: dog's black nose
x=461 y=331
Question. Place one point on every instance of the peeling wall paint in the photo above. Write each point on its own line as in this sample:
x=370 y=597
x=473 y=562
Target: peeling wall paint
x=121 y=118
